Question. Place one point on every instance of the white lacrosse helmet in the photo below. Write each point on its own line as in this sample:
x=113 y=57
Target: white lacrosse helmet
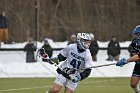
x=83 y=40
x=91 y=35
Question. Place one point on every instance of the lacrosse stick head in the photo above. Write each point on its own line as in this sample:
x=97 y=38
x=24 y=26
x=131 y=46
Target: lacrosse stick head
x=42 y=54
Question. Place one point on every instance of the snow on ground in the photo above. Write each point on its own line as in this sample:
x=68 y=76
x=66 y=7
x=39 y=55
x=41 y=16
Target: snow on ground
x=12 y=63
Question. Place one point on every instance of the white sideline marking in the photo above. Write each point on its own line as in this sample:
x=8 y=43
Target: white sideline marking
x=99 y=81
x=93 y=86
x=22 y=89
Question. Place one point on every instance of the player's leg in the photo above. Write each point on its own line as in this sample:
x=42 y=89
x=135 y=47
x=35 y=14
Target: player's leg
x=135 y=78
x=67 y=90
x=56 y=88
x=59 y=82
x=2 y=35
x=134 y=83
x=70 y=86
x=5 y=35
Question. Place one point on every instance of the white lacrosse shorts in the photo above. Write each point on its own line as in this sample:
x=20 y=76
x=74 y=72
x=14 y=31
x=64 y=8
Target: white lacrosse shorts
x=62 y=81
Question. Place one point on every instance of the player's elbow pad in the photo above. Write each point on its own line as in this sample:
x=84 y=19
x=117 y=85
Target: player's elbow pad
x=85 y=74
x=61 y=57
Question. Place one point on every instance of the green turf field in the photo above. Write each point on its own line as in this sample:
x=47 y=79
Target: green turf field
x=89 y=85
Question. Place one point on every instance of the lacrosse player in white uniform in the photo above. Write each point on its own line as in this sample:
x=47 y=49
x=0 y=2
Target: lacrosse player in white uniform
x=75 y=56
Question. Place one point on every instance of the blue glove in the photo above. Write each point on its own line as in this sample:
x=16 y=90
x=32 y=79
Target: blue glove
x=121 y=62
x=76 y=78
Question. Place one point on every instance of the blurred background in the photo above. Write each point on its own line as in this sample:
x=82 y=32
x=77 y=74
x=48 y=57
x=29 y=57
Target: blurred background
x=58 y=19
x=32 y=24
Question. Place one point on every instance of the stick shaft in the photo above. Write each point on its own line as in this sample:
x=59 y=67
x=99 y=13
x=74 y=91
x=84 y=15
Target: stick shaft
x=97 y=66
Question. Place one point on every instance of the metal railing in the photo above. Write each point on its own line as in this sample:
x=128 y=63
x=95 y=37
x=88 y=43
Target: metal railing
x=55 y=49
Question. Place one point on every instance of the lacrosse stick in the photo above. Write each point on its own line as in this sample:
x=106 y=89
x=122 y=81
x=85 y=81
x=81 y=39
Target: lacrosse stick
x=96 y=66
x=45 y=56
x=80 y=68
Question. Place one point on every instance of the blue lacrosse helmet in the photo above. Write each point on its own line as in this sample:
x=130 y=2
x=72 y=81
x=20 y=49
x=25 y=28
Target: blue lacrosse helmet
x=136 y=36
x=136 y=32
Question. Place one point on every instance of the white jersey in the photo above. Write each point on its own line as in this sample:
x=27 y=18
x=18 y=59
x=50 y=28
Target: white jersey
x=75 y=58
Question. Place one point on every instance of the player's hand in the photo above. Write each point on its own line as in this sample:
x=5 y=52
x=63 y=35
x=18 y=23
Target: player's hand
x=69 y=70
x=121 y=62
x=76 y=78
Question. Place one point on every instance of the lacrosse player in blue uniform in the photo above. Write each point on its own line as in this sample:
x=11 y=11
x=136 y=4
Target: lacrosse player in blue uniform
x=135 y=46
x=74 y=56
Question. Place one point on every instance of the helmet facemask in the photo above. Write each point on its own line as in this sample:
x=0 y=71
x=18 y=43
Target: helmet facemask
x=136 y=36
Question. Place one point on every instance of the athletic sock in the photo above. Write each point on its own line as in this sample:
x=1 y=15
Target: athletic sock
x=136 y=89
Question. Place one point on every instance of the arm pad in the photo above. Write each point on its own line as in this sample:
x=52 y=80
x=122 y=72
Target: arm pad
x=61 y=57
x=85 y=73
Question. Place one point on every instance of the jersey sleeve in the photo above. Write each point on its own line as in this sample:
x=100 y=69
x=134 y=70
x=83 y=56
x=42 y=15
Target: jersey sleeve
x=64 y=52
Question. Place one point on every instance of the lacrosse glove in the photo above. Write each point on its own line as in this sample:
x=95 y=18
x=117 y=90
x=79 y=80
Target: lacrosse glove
x=76 y=78
x=69 y=70
x=121 y=62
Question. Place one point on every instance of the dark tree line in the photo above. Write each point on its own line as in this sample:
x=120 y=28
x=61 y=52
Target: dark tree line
x=58 y=19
